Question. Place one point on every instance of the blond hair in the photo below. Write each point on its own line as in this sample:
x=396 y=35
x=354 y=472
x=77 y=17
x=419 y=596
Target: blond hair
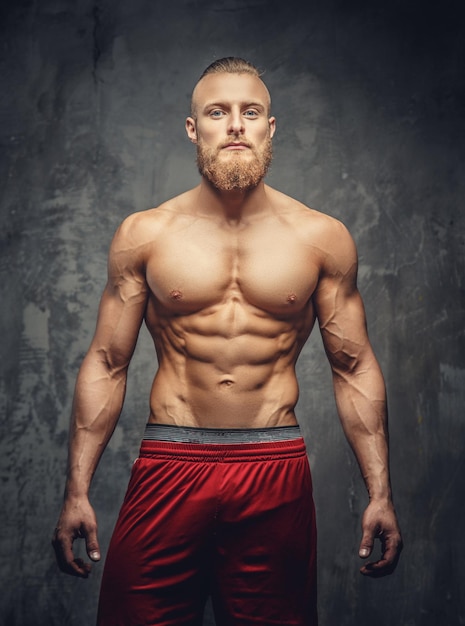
x=231 y=65
x=227 y=65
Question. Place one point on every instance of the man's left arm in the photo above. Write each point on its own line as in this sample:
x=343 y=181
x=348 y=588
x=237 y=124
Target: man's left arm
x=360 y=393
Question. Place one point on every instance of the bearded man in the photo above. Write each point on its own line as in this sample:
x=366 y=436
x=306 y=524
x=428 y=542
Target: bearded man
x=229 y=278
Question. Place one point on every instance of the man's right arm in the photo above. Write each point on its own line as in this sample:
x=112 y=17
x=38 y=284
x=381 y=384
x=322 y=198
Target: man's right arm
x=99 y=393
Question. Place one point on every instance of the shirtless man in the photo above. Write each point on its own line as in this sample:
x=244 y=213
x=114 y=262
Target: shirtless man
x=229 y=278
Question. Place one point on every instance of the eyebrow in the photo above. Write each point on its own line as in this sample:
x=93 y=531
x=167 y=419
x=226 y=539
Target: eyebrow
x=243 y=105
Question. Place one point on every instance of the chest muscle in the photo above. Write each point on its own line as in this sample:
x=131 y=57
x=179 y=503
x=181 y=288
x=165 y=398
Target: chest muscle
x=269 y=270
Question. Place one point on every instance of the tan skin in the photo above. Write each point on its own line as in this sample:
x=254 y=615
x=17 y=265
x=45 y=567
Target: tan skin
x=229 y=285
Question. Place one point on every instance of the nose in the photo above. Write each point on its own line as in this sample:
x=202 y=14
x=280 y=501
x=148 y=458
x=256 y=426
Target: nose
x=236 y=124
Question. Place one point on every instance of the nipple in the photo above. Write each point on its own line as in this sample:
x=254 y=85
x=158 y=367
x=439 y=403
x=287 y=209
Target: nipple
x=291 y=298
x=175 y=294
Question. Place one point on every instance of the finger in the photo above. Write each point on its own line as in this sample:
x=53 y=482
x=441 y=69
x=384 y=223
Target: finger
x=92 y=546
x=366 y=545
x=387 y=563
x=80 y=568
x=65 y=558
x=74 y=567
x=378 y=568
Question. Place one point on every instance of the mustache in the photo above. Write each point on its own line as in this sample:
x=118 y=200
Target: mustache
x=241 y=140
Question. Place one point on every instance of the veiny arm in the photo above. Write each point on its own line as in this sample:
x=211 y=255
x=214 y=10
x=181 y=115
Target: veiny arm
x=360 y=393
x=99 y=394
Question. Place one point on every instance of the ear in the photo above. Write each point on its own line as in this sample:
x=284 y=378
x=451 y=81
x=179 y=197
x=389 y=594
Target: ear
x=272 y=125
x=191 y=129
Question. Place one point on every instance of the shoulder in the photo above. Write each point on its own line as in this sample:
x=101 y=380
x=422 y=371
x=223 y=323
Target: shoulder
x=328 y=237
x=143 y=228
x=136 y=236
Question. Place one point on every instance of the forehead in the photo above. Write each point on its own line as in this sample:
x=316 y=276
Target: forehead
x=230 y=88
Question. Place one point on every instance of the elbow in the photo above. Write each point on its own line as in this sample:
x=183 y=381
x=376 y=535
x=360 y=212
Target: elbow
x=351 y=358
x=115 y=366
x=346 y=362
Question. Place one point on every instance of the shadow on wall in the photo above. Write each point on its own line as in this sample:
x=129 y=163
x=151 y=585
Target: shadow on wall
x=369 y=101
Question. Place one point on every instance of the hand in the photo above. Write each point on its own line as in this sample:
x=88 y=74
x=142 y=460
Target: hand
x=379 y=521
x=77 y=520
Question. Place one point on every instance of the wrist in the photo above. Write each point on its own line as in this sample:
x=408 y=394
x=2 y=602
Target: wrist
x=74 y=493
x=379 y=487
x=380 y=494
x=382 y=500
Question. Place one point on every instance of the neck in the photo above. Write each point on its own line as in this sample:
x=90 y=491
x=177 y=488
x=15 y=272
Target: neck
x=234 y=205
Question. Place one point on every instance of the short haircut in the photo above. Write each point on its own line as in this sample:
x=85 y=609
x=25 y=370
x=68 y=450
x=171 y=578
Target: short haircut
x=227 y=65
x=231 y=65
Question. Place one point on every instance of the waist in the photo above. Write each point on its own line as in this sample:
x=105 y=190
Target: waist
x=207 y=400
x=221 y=436
x=213 y=445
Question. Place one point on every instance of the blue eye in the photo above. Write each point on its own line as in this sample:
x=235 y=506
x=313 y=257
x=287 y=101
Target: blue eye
x=216 y=113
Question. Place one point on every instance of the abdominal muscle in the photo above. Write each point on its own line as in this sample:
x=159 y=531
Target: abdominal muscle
x=210 y=380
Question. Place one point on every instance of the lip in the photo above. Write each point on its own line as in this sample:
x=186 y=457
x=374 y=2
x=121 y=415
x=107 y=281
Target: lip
x=236 y=146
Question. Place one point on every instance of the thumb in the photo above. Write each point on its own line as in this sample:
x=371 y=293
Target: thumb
x=92 y=546
x=366 y=545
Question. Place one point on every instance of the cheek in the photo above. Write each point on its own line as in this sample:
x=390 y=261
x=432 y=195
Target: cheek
x=210 y=133
x=209 y=138
x=261 y=132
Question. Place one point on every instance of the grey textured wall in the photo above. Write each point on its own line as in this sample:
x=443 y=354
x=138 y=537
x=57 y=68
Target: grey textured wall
x=370 y=102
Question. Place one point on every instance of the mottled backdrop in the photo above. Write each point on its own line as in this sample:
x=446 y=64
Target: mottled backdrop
x=369 y=98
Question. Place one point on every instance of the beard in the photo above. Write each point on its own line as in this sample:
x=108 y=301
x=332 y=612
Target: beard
x=234 y=173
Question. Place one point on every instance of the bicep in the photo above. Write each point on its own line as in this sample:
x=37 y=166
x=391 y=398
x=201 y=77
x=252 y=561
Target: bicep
x=340 y=310
x=342 y=321
x=122 y=306
x=118 y=324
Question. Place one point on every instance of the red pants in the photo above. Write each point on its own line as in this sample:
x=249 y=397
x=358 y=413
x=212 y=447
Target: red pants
x=232 y=520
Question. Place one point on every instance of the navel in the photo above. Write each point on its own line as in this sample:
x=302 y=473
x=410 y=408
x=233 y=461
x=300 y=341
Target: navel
x=226 y=383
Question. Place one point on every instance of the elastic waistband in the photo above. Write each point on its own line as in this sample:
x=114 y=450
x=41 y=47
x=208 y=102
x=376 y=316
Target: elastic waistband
x=249 y=449
x=189 y=434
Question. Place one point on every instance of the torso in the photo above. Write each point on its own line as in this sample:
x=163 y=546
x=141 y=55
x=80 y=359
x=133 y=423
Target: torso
x=230 y=308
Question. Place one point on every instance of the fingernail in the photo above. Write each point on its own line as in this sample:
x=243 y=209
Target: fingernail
x=95 y=556
x=364 y=553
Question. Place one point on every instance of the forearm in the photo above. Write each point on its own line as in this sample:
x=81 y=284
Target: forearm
x=361 y=402
x=98 y=401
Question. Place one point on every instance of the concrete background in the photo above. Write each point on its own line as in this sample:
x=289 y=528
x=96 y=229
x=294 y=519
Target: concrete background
x=370 y=103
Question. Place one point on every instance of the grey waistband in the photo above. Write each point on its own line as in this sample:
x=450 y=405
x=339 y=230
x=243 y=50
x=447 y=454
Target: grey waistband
x=188 y=434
